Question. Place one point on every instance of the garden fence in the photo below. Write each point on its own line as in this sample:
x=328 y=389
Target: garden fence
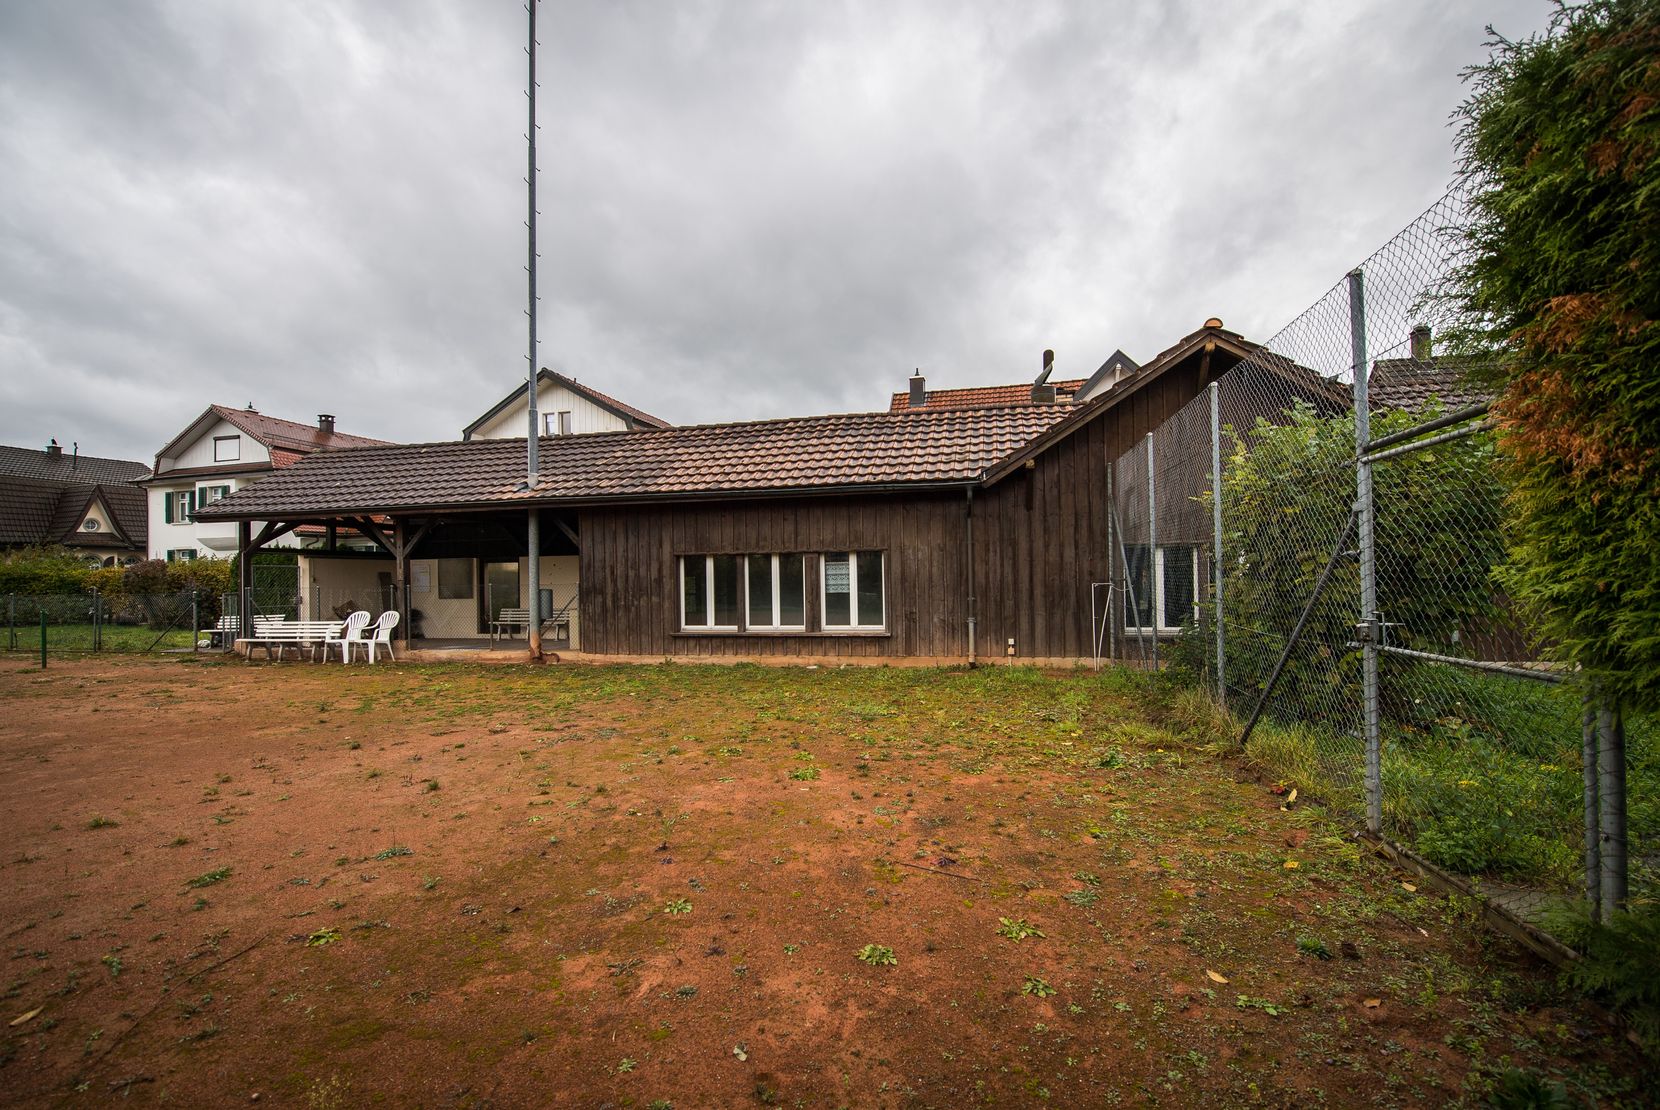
x=1317 y=538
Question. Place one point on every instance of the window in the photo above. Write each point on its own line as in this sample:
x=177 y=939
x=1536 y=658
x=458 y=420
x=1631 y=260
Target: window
x=852 y=592
x=227 y=448
x=455 y=578
x=1171 y=599
x=777 y=593
x=90 y=524
x=181 y=554
x=709 y=591
x=180 y=506
x=556 y=423
x=210 y=494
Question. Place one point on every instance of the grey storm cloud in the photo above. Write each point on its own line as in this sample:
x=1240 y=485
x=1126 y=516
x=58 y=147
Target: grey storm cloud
x=747 y=209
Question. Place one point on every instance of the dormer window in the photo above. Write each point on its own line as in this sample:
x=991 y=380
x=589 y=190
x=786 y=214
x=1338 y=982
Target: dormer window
x=556 y=423
x=89 y=525
x=227 y=448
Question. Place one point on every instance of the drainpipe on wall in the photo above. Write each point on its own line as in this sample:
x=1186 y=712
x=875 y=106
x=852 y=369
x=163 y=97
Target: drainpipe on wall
x=968 y=551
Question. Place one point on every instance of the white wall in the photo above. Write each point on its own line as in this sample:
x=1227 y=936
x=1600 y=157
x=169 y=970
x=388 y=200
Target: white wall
x=457 y=618
x=199 y=452
x=217 y=540
x=586 y=416
x=326 y=582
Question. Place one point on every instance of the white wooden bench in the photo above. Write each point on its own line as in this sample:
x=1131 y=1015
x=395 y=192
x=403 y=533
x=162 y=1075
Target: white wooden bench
x=509 y=619
x=277 y=636
x=226 y=627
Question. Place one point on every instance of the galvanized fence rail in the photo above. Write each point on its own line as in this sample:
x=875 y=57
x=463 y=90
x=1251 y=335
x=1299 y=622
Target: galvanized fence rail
x=1316 y=539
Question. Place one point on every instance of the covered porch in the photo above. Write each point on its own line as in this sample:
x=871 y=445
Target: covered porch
x=460 y=582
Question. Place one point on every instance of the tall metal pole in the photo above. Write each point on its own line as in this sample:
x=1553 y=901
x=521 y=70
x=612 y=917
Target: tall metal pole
x=1369 y=627
x=1216 y=542
x=533 y=525
x=1152 y=554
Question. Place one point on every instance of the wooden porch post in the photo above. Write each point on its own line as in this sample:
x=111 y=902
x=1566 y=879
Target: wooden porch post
x=400 y=575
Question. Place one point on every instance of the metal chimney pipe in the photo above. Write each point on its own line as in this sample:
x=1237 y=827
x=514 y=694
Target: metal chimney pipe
x=1042 y=391
x=325 y=423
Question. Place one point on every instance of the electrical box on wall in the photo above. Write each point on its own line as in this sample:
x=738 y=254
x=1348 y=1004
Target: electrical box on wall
x=1010 y=650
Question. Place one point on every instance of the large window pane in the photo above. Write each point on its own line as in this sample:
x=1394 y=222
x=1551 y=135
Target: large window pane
x=792 y=600
x=838 y=590
x=760 y=590
x=1178 y=586
x=726 y=590
x=695 y=611
x=870 y=588
x=455 y=578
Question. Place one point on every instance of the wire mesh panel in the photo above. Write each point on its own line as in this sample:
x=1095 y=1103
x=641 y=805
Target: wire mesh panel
x=1478 y=745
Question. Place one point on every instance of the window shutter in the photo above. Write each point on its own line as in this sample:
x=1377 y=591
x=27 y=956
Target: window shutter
x=167 y=507
x=193 y=504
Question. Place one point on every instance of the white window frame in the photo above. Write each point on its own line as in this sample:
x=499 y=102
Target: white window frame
x=1160 y=620
x=210 y=494
x=777 y=595
x=852 y=593
x=709 y=594
x=183 y=510
x=232 y=454
x=181 y=555
x=556 y=423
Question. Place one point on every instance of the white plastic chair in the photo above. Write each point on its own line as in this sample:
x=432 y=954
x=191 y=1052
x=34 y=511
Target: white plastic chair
x=350 y=633
x=383 y=635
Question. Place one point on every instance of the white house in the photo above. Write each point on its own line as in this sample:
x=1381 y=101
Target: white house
x=567 y=407
x=222 y=450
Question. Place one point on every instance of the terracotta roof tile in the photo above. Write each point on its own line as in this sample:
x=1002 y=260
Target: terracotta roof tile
x=1406 y=383
x=806 y=454
x=986 y=396
x=290 y=435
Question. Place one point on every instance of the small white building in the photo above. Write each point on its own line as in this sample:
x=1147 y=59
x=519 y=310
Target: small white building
x=567 y=407
x=220 y=451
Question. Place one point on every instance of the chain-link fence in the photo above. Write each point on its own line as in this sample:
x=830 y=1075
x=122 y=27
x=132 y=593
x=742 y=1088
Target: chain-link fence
x=1332 y=580
x=90 y=622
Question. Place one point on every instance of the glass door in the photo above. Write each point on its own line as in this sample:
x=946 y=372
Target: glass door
x=501 y=590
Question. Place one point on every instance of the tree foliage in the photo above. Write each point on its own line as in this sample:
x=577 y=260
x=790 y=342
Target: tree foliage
x=1560 y=146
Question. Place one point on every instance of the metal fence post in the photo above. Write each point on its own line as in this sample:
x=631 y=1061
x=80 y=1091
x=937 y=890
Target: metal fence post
x=97 y=621
x=1593 y=825
x=1152 y=553
x=1216 y=539
x=1611 y=768
x=195 y=621
x=43 y=637
x=11 y=622
x=1368 y=627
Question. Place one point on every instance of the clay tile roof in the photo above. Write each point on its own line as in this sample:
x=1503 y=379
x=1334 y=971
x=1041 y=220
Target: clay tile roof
x=986 y=396
x=86 y=470
x=289 y=440
x=820 y=453
x=1406 y=383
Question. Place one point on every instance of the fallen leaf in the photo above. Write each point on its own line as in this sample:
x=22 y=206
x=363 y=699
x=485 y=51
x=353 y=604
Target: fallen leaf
x=1292 y=865
x=741 y=1052
x=21 y=1018
x=1290 y=799
x=1423 y=932
x=1373 y=1003
x=1408 y=886
x=1214 y=977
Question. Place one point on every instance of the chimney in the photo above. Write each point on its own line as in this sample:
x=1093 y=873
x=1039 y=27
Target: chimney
x=53 y=451
x=325 y=423
x=1422 y=347
x=1042 y=392
x=919 y=389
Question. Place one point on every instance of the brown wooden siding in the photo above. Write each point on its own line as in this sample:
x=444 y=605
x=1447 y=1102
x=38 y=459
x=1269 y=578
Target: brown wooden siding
x=1040 y=539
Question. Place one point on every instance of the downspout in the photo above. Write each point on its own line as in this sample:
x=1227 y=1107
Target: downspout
x=968 y=551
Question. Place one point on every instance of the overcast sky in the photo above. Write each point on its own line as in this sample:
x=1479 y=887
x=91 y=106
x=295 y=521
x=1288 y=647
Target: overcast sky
x=748 y=209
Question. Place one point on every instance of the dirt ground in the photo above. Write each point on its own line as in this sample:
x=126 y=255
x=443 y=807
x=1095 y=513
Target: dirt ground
x=300 y=885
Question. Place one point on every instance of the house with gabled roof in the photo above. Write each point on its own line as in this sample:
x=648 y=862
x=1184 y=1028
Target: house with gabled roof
x=52 y=497
x=1044 y=390
x=566 y=407
x=224 y=450
x=942 y=534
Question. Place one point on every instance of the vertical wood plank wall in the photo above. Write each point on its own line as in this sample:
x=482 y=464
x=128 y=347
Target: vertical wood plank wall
x=1040 y=539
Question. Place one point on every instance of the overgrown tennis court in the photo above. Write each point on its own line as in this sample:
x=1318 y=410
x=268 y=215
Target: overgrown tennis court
x=700 y=886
